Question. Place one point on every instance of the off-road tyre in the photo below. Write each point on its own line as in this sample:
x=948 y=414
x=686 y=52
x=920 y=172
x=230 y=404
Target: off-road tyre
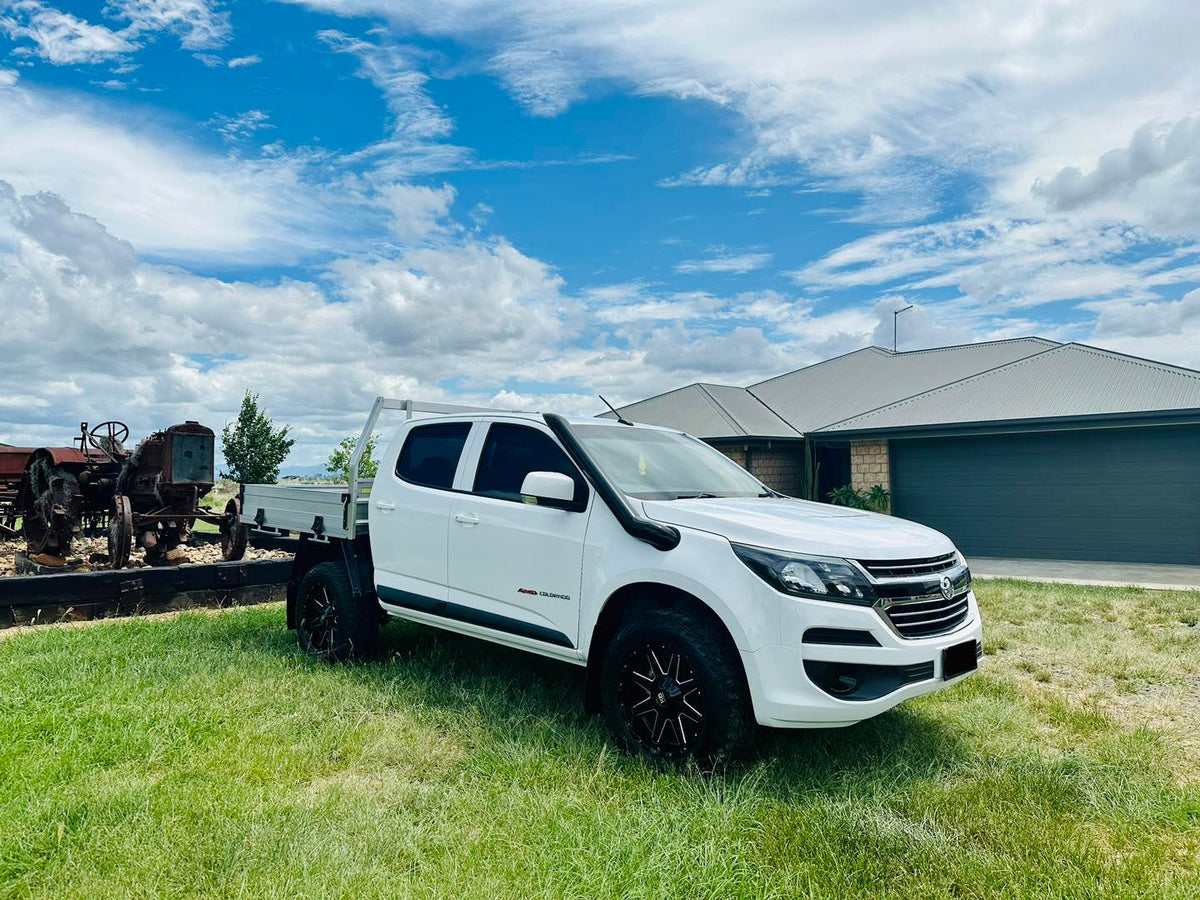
x=697 y=706
x=330 y=624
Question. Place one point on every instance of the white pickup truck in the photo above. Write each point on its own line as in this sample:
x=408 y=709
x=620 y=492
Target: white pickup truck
x=701 y=602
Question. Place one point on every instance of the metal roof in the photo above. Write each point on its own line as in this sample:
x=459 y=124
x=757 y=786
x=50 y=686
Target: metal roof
x=818 y=395
x=710 y=411
x=1069 y=380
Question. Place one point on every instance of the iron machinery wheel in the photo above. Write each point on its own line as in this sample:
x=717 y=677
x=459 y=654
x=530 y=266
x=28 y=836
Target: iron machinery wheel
x=234 y=533
x=673 y=689
x=115 y=434
x=120 y=532
x=331 y=624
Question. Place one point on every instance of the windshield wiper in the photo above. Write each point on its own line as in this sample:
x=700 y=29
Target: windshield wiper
x=694 y=497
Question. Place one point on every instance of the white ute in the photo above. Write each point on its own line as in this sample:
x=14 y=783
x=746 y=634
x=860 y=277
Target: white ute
x=700 y=601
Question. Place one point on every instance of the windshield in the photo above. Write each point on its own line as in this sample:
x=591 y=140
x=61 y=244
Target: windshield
x=664 y=465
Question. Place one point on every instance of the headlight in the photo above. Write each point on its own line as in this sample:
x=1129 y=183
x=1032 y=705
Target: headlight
x=816 y=577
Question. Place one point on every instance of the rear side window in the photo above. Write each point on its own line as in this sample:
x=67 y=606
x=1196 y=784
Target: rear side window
x=430 y=454
x=513 y=451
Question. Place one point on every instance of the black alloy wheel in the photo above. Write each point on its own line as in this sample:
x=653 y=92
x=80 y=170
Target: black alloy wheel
x=331 y=623
x=673 y=689
x=318 y=620
x=661 y=701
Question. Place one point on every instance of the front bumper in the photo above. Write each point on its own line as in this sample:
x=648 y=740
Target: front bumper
x=785 y=695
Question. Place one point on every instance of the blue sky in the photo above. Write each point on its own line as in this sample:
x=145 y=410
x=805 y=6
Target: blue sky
x=530 y=202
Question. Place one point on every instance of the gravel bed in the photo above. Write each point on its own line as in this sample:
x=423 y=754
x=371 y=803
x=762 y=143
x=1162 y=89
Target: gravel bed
x=91 y=554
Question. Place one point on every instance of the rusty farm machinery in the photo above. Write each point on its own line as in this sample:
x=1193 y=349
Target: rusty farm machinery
x=148 y=496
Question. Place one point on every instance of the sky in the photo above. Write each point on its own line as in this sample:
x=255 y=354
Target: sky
x=531 y=202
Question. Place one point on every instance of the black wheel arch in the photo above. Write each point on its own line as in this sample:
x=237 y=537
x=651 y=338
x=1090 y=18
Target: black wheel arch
x=632 y=598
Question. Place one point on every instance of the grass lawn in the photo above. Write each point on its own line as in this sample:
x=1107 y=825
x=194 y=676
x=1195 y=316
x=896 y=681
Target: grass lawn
x=223 y=491
x=203 y=755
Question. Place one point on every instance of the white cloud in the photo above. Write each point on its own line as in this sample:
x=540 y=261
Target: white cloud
x=59 y=37
x=467 y=300
x=1153 y=180
x=729 y=263
x=234 y=207
x=988 y=260
x=542 y=79
x=62 y=38
x=969 y=87
x=417 y=211
x=197 y=23
x=109 y=334
x=242 y=126
x=240 y=62
x=8 y=77
x=415 y=117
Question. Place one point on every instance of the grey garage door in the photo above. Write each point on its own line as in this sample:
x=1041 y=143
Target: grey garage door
x=1130 y=495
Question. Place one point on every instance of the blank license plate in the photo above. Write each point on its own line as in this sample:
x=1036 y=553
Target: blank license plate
x=958 y=660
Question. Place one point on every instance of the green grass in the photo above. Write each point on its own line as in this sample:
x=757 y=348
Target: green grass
x=203 y=755
x=215 y=500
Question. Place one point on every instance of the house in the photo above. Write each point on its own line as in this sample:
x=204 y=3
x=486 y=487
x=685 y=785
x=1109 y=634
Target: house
x=1021 y=448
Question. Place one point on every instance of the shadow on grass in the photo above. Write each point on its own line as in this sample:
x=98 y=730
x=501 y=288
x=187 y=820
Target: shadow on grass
x=522 y=698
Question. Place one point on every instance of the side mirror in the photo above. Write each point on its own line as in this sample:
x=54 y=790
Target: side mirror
x=554 y=487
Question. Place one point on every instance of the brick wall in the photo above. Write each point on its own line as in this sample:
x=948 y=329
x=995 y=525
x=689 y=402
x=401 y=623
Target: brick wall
x=781 y=469
x=737 y=454
x=869 y=465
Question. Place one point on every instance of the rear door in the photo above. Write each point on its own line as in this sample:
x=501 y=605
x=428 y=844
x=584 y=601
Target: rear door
x=516 y=566
x=409 y=513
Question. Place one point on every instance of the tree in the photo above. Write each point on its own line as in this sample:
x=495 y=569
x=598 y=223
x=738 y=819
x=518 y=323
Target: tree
x=253 y=448
x=339 y=460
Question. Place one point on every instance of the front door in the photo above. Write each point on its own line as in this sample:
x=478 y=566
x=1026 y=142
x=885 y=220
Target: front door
x=514 y=562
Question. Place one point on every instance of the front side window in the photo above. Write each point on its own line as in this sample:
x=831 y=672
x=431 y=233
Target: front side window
x=430 y=454
x=664 y=465
x=513 y=451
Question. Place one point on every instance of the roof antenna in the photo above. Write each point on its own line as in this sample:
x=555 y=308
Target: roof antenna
x=614 y=410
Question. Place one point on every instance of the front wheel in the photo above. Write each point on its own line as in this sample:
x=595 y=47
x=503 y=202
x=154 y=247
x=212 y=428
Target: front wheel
x=673 y=689
x=330 y=623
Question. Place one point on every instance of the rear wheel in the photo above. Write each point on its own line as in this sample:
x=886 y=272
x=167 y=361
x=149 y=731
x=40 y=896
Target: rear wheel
x=330 y=623
x=673 y=689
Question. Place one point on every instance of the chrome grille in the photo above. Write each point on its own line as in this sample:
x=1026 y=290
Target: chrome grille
x=927 y=616
x=908 y=568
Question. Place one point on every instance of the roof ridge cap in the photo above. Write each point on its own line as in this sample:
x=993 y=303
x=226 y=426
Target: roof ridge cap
x=943 y=387
x=879 y=350
x=763 y=403
x=1132 y=360
x=657 y=396
x=1047 y=342
x=721 y=410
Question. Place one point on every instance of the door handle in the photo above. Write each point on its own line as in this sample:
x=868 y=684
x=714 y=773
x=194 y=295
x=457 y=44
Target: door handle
x=466 y=518
x=385 y=505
